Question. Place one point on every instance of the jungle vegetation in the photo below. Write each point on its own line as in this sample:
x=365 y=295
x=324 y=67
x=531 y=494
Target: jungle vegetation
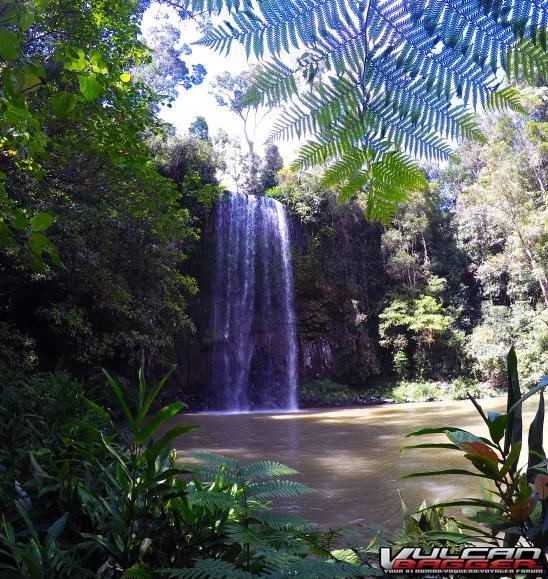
x=101 y=211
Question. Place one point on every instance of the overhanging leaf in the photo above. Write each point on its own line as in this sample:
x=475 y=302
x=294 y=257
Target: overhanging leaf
x=9 y=44
x=89 y=87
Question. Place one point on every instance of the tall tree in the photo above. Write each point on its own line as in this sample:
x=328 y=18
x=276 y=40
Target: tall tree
x=232 y=91
x=199 y=128
x=166 y=71
x=272 y=164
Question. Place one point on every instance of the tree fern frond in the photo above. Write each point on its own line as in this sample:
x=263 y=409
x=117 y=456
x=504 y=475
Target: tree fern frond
x=281 y=521
x=210 y=501
x=212 y=459
x=381 y=75
x=526 y=62
x=241 y=534
x=266 y=469
x=206 y=569
x=277 y=489
x=505 y=98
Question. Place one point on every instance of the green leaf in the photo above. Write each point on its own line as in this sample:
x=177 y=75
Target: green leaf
x=152 y=396
x=442 y=472
x=513 y=430
x=432 y=445
x=9 y=44
x=536 y=435
x=119 y=396
x=511 y=460
x=89 y=87
x=62 y=104
x=98 y=410
x=157 y=420
x=18 y=221
x=41 y=221
x=156 y=448
x=496 y=423
x=424 y=431
x=53 y=532
x=472 y=502
x=459 y=436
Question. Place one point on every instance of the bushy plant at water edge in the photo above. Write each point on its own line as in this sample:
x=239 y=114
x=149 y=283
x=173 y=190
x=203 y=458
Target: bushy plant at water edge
x=514 y=505
x=85 y=497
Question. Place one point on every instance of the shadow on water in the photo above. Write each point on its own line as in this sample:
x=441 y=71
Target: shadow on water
x=351 y=456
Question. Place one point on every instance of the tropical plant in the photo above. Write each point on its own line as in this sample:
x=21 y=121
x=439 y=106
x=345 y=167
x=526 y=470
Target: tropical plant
x=514 y=506
x=377 y=80
x=88 y=497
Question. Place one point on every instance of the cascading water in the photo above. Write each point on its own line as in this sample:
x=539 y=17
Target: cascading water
x=254 y=332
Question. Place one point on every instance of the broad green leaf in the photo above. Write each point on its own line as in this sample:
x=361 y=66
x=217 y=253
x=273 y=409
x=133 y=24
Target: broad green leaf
x=157 y=420
x=53 y=532
x=9 y=44
x=30 y=82
x=62 y=104
x=89 y=87
x=156 y=448
x=41 y=221
x=18 y=221
x=513 y=432
x=456 y=471
x=536 y=435
x=458 y=436
x=496 y=423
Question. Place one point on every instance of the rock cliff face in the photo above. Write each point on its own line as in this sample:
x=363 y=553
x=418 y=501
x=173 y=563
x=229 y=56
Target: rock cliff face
x=339 y=282
x=338 y=285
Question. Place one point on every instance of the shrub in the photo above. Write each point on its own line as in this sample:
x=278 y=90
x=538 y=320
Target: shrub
x=86 y=497
x=514 y=506
x=501 y=327
x=50 y=395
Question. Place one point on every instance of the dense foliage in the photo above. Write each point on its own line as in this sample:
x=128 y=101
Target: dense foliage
x=96 y=196
x=101 y=207
x=455 y=281
x=82 y=497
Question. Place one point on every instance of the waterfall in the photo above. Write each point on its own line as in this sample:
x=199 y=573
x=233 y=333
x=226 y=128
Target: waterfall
x=254 y=364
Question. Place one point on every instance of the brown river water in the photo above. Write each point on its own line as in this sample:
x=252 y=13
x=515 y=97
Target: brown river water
x=352 y=456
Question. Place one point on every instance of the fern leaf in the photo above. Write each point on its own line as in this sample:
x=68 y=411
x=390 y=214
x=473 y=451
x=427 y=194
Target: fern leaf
x=206 y=569
x=277 y=489
x=266 y=469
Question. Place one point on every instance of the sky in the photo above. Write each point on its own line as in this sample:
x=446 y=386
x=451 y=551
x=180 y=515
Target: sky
x=197 y=101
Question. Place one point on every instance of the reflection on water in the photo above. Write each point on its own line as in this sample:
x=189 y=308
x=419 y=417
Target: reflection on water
x=351 y=456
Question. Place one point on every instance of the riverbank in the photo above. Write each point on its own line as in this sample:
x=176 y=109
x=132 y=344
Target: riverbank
x=328 y=394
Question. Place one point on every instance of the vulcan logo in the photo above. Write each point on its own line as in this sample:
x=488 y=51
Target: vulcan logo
x=492 y=560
